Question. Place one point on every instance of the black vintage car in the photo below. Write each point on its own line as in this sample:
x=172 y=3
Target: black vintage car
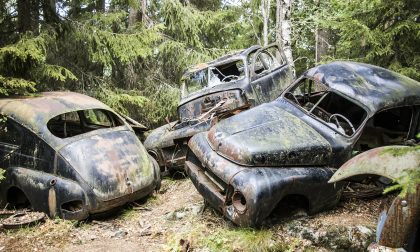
x=216 y=90
x=284 y=152
x=71 y=156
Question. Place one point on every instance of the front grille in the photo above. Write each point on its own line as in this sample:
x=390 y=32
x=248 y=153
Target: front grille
x=212 y=177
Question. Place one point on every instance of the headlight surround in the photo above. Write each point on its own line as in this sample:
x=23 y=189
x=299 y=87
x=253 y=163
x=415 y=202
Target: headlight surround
x=239 y=202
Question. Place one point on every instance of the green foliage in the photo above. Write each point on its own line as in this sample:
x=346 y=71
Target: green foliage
x=24 y=64
x=121 y=100
x=406 y=183
x=221 y=238
x=136 y=67
x=109 y=42
x=152 y=111
x=232 y=239
x=10 y=85
x=193 y=36
x=381 y=32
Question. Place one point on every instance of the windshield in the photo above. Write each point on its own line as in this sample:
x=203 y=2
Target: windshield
x=213 y=76
x=333 y=109
x=194 y=82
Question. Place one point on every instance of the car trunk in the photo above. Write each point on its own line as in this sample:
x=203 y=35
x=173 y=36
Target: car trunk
x=112 y=163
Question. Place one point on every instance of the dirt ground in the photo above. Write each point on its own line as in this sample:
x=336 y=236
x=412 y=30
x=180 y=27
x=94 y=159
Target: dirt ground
x=174 y=220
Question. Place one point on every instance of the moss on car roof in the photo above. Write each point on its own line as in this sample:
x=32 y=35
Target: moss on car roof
x=36 y=110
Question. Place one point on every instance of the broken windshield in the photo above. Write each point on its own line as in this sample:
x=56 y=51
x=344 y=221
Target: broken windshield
x=336 y=111
x=213 y=76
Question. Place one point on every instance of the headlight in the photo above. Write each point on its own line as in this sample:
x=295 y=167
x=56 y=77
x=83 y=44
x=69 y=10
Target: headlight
x=239 y=202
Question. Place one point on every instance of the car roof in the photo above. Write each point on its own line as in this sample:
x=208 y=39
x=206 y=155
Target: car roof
x=231 y=56
x=374 y=87
x=36 y=110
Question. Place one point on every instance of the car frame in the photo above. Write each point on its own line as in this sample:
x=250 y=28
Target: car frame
x=283 y=153
x=260 y=80
x=71 y=156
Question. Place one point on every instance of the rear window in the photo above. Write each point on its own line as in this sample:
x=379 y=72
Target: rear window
x=79 y=122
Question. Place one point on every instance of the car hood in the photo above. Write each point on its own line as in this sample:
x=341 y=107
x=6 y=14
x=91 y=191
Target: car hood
x=269 y=135
x=113 y=163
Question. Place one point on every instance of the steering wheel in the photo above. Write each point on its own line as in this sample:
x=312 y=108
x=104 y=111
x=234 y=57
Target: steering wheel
x=294 y=97
x=233 y=77
x=344 y=118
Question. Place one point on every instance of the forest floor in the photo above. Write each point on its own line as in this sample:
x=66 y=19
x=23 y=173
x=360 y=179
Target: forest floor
x=174 y=220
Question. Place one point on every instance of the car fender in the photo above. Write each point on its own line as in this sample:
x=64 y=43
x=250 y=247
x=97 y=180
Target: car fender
x=46 y=192
x=397 y=226
x=264 y=188
x=388 y=161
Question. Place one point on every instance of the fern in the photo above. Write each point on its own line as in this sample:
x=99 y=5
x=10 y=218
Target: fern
x=406 y=183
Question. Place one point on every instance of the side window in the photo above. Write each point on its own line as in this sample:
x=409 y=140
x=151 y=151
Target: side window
x=97 y=117
x=388 y=127
x=10 y=134
x=395 y=122
x=268 y=59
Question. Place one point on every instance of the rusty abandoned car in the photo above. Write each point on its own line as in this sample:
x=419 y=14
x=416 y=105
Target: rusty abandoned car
x=399 y=223
x=69 y=155
x=284 y=152
x=216 y=90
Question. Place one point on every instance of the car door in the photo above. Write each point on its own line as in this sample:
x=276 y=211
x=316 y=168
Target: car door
x=10 y=143
x=414 y=133
x=269 y=72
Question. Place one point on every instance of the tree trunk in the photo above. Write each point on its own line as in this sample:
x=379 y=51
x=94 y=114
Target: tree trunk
x=322 y=45
x=24 y=15
x=100 y=5
x=265 y=12
x=321 y=39
x=50 y=11
x=284 y=28
x=143 y=11
x=75 y=9
x=132 y=16
x=28 y=15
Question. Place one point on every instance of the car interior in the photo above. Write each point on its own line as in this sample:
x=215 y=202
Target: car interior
x=79 y=122
x=265 y=62
x=219 y=74
x=335 y=110
x=388 y=127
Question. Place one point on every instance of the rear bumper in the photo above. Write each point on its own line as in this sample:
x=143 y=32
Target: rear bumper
x=217 y=179
x=104 y=206
x=98 y=207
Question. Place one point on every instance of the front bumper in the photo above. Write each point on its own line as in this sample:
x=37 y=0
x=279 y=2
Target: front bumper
x=218 y=179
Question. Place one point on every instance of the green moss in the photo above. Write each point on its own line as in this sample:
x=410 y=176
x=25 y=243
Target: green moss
x=398 y=152
x=242 y=239
x=406 y=183
x=129 y=214
x=231 y=239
